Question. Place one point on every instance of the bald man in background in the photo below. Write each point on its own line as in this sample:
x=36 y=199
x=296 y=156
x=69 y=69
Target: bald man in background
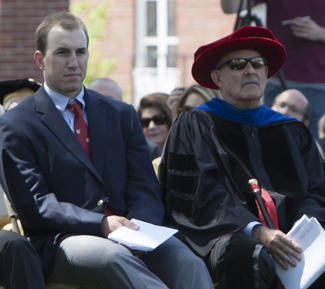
x=107 y=87
x=292 y=102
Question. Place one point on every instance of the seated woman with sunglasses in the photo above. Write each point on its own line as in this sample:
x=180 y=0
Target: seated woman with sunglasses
x=193 y=96
x=156 y=119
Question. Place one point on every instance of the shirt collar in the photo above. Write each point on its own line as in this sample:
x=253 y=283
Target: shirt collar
x=61 y=101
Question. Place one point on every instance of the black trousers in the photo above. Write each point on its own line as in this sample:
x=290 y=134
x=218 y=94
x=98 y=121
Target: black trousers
x=238 y=261
x=20 y=266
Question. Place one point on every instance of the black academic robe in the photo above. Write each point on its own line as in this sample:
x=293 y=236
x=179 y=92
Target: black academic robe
x=208 y=160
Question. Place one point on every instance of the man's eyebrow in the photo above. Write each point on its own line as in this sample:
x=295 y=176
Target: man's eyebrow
x=61 y=48
x=68 y=48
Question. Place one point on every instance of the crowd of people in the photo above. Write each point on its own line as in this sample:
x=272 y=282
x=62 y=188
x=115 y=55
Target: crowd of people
x=78 y=163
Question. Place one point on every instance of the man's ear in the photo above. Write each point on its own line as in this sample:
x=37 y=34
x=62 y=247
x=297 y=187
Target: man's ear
x=216 y=77
x=38 y=57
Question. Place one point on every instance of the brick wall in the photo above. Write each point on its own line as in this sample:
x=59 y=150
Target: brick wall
x=18 y=22
x=117 y=42
x=199 y=23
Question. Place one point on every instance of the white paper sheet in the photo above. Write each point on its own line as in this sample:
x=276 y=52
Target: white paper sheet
x=147 y=238
x=311 y=237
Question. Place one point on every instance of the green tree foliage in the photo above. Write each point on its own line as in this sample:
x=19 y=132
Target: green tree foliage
x=96 y=19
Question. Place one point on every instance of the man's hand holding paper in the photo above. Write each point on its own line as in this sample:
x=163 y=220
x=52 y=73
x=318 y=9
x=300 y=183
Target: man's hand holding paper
x=146 y=238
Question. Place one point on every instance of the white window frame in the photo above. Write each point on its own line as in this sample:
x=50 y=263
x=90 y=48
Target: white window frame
x=153 y=79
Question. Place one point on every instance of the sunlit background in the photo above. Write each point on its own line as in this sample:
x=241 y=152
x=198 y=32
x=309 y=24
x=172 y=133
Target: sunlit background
x=145 y=45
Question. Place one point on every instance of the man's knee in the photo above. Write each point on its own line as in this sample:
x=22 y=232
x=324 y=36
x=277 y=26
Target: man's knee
x=13 y=242
x=241 y=256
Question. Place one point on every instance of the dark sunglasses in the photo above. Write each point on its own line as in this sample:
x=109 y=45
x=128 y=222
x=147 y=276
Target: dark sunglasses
x=240 y=63
x=158 y=119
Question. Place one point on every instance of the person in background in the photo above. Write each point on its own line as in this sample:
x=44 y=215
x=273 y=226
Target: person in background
x=193 y=96
x=300 y=27
x=13 y=92
x=321 y=133
x=75 y=166
x=107 y=87
x=292 y=102
x=154 y=149
x=156 y=119
x=161 y=96
x=321 y=127
x=112 y=89
x=20 y=266
x=174 y=97
x=215 y=151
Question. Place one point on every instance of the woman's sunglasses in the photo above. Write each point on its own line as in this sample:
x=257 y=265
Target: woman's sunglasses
x=240 y=63
x=158 y=119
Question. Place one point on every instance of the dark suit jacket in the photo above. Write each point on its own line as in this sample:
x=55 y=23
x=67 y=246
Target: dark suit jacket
x=56 y=188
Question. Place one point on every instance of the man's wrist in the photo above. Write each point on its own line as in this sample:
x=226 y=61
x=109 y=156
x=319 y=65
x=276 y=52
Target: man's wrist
x=249 y=227
x=321 y=34
x=256 y=232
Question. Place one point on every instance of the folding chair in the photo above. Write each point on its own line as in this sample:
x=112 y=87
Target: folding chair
x=16 y=228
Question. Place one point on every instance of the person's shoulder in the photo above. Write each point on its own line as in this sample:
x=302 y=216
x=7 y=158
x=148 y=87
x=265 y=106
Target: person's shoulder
x=107 y=100
x=194 y=117
x=297 y=131
x=192 y=124
x=294 y=125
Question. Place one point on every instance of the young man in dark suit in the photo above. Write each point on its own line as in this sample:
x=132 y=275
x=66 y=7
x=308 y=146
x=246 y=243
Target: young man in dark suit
x=76 y=167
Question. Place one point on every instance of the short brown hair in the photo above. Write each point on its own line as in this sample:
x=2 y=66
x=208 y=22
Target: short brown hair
x=153 y=101
x=63 y=19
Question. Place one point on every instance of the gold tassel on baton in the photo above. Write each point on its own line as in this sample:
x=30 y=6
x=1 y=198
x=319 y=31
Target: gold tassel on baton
x=256 y=190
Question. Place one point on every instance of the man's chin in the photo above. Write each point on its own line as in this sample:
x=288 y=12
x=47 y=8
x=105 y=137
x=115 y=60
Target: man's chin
x=253 y=91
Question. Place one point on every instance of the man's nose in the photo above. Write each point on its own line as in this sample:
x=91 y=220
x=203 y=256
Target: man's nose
x=73 y=60
x=249 y=68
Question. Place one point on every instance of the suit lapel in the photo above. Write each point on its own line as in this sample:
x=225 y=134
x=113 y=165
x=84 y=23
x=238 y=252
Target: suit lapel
x=53 y=119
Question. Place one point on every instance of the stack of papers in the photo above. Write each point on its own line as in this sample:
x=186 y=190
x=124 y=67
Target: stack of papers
x=147 y=238
x=310 y=236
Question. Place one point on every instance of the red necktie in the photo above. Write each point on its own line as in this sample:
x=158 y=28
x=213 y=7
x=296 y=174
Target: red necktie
x=269 y=205
x=80 y=127
x=107 y=210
